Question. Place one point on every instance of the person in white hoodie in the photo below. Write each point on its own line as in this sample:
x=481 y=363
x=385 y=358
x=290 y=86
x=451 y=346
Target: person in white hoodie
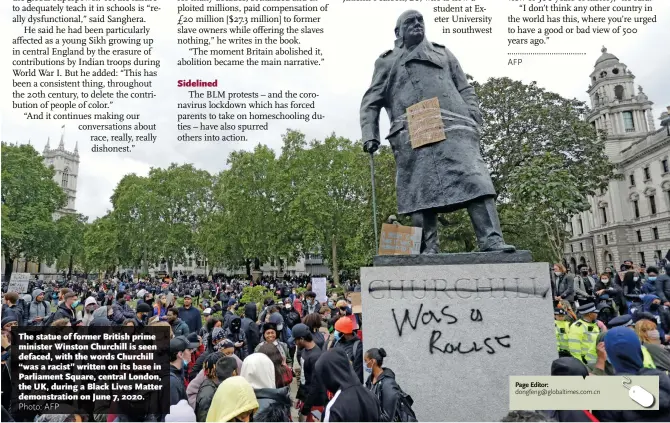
x=86 y=315
x=274 y=403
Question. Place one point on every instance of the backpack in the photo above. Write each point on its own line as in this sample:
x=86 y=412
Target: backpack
x=403 y=408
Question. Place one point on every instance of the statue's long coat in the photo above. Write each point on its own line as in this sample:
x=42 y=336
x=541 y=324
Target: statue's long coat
x=443 y=176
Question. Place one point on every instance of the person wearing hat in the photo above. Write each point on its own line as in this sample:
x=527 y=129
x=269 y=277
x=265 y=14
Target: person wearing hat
x=230 y=312
x=191 y=315
x=562 y=329
x=311 y=393
x=270 y=336
x=40 y=309
x=623 y=349
x=86 y=316
x=583 y=333
x=623 y=320
x=66 y=309
x=349 y=342
x=142 y=314
x=180 y=356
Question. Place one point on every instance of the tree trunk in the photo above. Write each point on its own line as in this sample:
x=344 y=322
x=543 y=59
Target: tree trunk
x=247 y=264
x=9 y=266
x=336 y=272
x=25 y=266
x=169 y=267
x=145 y=264
x=257 y=264
x=69 y=275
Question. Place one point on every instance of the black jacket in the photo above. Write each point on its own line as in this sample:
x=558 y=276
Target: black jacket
x=177 y=386
x=291 y=317
x=235 y=334
x=274 y=405
x=565 y=287
x=62 y=312
x=204 y=399
x=354 y=350
x=660 y=415
x=663 y=285
x=250 y=328
x=351 y=402
x=386 y=390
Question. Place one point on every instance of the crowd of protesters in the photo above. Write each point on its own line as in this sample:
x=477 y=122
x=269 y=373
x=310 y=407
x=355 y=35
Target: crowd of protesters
x=293 y=357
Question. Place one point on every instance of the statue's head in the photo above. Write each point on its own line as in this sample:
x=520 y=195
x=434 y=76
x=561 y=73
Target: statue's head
x=410 y=29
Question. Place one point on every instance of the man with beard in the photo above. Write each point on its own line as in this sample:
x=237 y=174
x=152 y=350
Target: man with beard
x=447 y=173
x=121 y=310
x=40 y=310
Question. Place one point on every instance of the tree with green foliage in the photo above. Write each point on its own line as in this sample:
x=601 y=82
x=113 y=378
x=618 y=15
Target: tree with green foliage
x=103 y=245
x=71 y=229
x=184 y=201
x=30 y=197
x=135 y=205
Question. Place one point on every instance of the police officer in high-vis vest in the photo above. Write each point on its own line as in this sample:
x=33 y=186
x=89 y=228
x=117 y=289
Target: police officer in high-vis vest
x=562 y=329
x=583 y=334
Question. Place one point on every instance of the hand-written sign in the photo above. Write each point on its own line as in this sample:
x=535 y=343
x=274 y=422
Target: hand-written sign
x=18 y=283
x=425 y=123
x=444 y=316
x=399 y=240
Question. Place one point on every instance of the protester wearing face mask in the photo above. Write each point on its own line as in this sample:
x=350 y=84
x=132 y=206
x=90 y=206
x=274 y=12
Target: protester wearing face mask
x=66 y=309
x=381 y=381
x=180 y=356
x=86 y=315
x=142 y=314
x=649 y=285
x=311 y=305
x=121 y=310
x=583 y=284
x=564 y=283
x=291 y=317
x=651 y=305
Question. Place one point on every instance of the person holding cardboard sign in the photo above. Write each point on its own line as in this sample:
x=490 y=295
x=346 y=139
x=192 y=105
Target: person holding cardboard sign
x=435 y=130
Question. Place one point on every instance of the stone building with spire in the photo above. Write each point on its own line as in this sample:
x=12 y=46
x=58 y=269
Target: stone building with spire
x=66 y=165
x=630 y=220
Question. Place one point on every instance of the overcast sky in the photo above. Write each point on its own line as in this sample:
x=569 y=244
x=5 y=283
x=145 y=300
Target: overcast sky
x=356 y=34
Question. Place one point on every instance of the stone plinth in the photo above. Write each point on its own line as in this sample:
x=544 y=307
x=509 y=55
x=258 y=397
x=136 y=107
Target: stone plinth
x=455 y=333
x=522 y=256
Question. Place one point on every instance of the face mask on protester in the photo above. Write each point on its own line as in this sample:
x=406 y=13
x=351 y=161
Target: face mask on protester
x=75 y=304
x=651 y=278
x=337 y=335
x=585 y=272
x=558 y=273
x=366 y=368
x=605 y=281
x=331 y=303
x=654 y=306
x=287 y=306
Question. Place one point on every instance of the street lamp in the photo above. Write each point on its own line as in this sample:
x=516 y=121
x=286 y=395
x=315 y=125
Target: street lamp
x=665 y=120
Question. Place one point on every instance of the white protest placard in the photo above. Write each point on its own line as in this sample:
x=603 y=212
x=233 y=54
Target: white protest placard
x=18 y=282
x=319 y=288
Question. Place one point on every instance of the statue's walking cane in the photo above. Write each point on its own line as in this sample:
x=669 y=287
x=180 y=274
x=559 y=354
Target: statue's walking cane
x=374 y=199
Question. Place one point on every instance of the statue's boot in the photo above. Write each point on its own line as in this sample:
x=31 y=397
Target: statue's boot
x=485 y=221
x=427 y=221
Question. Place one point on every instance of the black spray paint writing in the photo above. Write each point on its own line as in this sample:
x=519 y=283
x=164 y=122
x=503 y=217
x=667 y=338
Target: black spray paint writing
x=425 y=318
x=476 y=288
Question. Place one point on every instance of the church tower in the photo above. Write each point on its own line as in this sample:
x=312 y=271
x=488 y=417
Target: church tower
x=617 y=109
x=66 y=165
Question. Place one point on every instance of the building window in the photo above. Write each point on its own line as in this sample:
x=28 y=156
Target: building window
x=572 y=230
x=628 y=123
x=641 y=257
x=658 y=255
x=632 y=179
x=647 y=174
x=665 y=166
x=581 y=246
x=654 y=232
x=606 y=240
x=581 y=226
x=572 y=248
x=639 y=236
x=603 y=214
x=652 y=204
x=618 y=92
x=66 y=176
x=636 y=208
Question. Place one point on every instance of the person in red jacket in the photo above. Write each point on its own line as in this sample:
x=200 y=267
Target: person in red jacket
x=194 y=338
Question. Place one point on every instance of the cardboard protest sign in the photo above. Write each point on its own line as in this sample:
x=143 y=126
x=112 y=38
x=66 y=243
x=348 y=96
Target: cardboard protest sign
x=424 y=120
x=356 y=307
x=18 y=282
x=319 y=288
x=399 y=240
